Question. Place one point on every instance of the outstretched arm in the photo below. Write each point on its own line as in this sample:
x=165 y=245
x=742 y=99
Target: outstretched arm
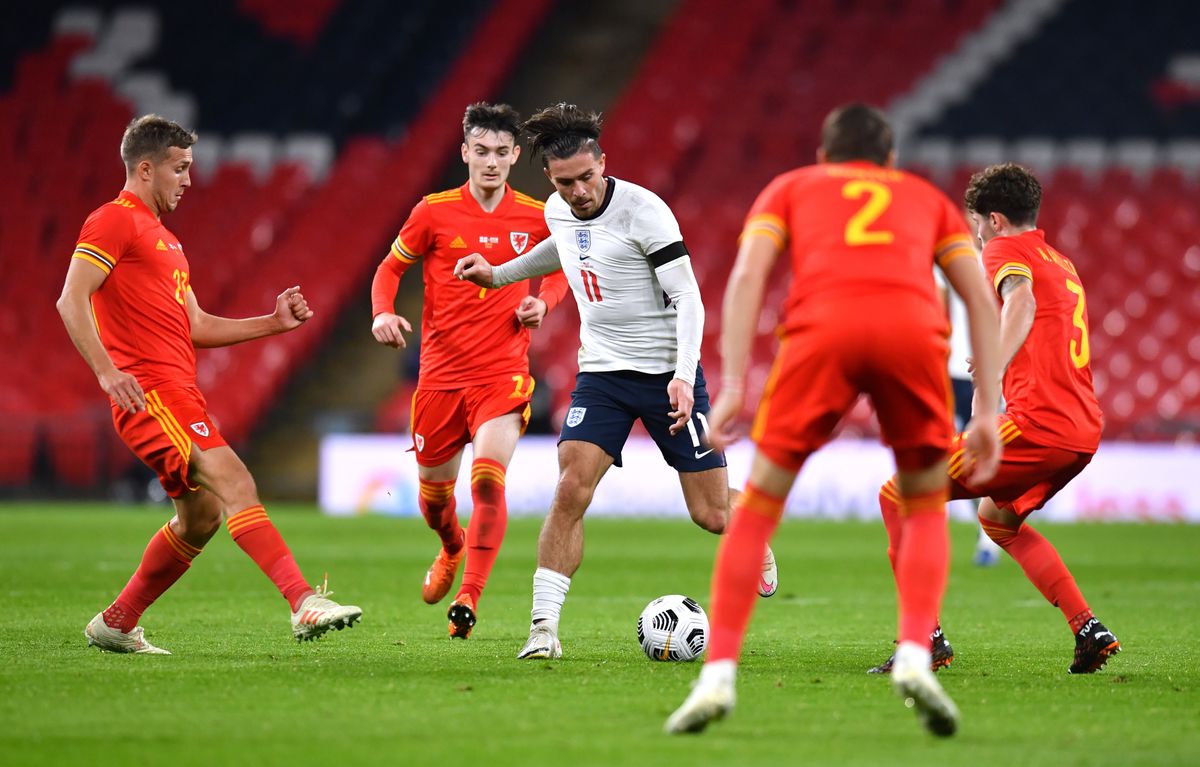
x=208 y=330
x=75 y=308
x=542 y=259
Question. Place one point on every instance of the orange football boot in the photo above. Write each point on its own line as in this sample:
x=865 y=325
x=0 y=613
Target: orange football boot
x=440 y=576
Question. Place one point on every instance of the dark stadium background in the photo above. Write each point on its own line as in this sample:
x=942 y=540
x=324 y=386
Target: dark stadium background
x=322 y=122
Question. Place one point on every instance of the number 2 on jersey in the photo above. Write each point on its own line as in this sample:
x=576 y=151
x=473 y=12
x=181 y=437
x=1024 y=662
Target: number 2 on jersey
x=858 y=228
x=181 y=286
x=1081 y=352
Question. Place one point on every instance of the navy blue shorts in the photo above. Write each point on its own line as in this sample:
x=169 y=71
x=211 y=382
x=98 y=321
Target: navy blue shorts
x=605 y=405
x=964 y=391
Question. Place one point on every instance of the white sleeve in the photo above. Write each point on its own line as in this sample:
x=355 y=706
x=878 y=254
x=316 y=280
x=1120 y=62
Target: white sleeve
x=655 y=226
x=542 y=259
x=679 y=282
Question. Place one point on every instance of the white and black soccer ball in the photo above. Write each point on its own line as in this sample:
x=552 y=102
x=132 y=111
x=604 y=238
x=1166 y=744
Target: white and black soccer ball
x=673 y=628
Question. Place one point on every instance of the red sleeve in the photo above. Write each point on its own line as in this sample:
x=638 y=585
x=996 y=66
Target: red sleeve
x=552 y=289
x=413 y=241
x=105 y=236
x=953 y=238
x=1003 y=257
x=770 y=212
x=416 y=236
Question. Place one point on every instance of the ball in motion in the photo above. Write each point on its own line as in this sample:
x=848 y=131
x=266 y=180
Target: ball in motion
x=673 y=628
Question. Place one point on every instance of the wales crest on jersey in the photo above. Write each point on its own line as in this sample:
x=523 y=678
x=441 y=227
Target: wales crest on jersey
x=519 y=241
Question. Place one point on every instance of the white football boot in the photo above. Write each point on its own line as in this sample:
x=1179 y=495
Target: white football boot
x=318 y=613
x=712 y=697
x=768 y=582
x=915 y=683
x=108 y=639
x=542 y=643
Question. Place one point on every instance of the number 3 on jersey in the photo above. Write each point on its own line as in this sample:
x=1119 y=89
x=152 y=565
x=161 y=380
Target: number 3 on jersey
x=858 y=228
x=1081 y=352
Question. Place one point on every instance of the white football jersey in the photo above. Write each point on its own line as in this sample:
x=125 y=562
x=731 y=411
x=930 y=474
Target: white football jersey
x=626 y=320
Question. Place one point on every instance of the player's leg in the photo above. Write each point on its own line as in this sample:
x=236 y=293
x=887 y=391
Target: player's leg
x=593 y=435
x=438 y=424
x=581 y=466
x=167 y=557
x=1044 y=568
x=220 y=471
x=156 y=437
x=735 y=575
x=439 y=510
x=987 y=553
x=908 y=385
x=494 y=443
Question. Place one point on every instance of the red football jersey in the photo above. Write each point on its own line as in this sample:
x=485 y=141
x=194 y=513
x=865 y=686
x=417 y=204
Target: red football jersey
x=470 y=335
x=862 y=239
x=1048 y=384
x=141 y=307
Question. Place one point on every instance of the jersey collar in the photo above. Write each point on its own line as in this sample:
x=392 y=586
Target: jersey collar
x=477 y=209
x=138 y=203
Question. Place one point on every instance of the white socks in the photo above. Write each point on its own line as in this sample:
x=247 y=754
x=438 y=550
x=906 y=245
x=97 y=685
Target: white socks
x=718 y=672
x=912 y=655
x=549 y=593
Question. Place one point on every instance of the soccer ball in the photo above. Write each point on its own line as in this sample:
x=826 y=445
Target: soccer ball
x=673 y=628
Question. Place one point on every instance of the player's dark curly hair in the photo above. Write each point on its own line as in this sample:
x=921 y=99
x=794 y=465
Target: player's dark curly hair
x=562 y=131
x=1008 y=189
x=856 y=132
x=481 y=117
x=149 y=137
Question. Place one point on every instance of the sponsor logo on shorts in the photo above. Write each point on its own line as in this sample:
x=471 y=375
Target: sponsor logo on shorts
x=575 y=416
x=700 y=455
x=583 y=239
x=519 y=241
x=420 y=440
x=201 y=428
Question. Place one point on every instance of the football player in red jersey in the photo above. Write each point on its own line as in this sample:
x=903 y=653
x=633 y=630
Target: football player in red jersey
x=128 y=305
x=1052 y=422
x=862 y=317
x=474 y=384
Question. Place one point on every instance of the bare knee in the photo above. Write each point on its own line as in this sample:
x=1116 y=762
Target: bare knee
x=572 y=496
x=710 y=515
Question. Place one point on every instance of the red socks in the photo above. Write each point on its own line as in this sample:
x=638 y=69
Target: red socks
x=254 y=533
x=438 y=507
x=922 y=563
x=1043 y=567
x=167 y=557
x=485 y=532
x=738 y=567
x=889 y=506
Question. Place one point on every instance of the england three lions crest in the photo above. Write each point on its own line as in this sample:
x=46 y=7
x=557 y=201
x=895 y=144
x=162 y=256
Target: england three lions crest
x=519 y=241
x=583 y=240
x=575 y=416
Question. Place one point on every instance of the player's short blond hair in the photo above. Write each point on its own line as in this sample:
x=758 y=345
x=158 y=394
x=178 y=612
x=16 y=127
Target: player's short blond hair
x=149 y=137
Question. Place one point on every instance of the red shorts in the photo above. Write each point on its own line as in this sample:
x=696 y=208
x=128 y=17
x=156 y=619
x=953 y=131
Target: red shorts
x=1029 y=475
x=820 y=372
x=163 y=435
x=443 y=421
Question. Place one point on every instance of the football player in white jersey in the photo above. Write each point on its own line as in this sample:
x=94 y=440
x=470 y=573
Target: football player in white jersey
x=642 y=322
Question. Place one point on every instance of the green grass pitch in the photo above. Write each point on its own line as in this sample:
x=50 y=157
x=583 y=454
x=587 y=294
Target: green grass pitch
x=396 y=690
